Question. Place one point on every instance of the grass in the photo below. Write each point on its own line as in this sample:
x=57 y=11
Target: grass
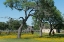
x=28 y=37
x=18 y=40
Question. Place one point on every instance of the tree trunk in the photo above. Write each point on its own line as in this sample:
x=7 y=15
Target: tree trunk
x=58 y=30
x=19 y=31
x=40 y=32
x=50 y=29
x=50 y=32
x=0 y=32
x=41 y=29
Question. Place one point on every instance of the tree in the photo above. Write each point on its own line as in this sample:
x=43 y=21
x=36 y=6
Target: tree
x=44 y=10
x=3 y=26
x=55 y=19
x=58 y=21
x=50 y=13
x=13 y=24
x=20 y=5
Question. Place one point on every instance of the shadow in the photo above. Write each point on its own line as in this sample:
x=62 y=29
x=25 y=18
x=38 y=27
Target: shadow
x=58 y=35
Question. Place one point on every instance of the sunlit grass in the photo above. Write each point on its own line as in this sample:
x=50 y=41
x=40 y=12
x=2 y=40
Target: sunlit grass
x=28 y=37
x=50 y=39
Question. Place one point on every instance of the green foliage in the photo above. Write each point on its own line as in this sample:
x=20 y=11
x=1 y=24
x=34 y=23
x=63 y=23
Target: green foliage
x=35 y=23
x=19 y=4
x=13 y=24
x=28 y=5
x=3 y=26
x=47 y=10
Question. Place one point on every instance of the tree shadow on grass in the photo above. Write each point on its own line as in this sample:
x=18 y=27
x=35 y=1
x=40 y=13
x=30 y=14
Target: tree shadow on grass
x=58 y=35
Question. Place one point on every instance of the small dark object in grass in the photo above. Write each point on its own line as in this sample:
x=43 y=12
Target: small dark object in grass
x=32 y=31
x=53 y=32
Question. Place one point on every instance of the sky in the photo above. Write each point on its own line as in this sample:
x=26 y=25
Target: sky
x=7 y=12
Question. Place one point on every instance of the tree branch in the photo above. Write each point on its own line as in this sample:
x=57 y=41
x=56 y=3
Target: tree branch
x=25 y=13
x=18 y=8
x=22 y=18
x=29 y=14
x=31 y=10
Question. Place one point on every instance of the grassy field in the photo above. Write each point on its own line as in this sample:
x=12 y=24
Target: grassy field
x=18 y=40
x=32 y=38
